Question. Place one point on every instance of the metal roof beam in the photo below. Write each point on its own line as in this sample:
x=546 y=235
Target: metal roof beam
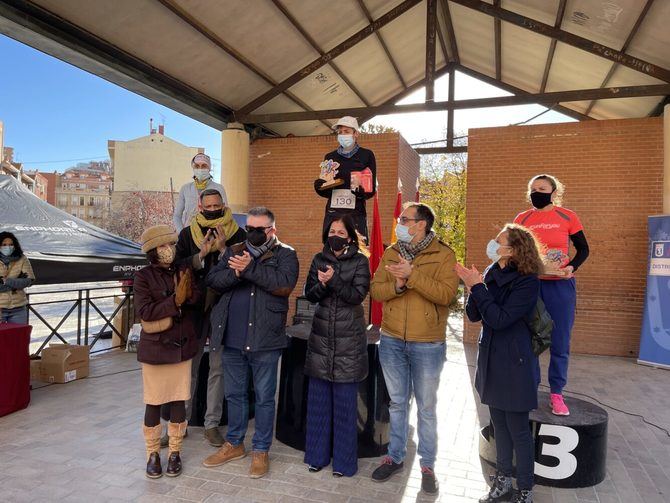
x=316 y=47
x=582 y=43
x=380 y=37
x=497 y=36
x=406 y=92
x=658 y=109
x=431 y=22
x=516 y=90
x=451 y=113
x=184 y=15
x=552 y=46
x=451 y=35
x=441 y=150
x=500 y=101
x=624 y=48
x=329 y=56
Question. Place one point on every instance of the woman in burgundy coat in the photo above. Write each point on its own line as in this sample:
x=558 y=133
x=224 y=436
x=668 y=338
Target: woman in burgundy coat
x=166 y=304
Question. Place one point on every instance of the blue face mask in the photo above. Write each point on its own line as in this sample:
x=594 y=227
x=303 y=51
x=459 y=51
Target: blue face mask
x=402 y=233
x=6 y=250
x=346 y=140
x=492 y=250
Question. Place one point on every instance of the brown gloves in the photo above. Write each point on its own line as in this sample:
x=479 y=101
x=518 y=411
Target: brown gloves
x=183 y=289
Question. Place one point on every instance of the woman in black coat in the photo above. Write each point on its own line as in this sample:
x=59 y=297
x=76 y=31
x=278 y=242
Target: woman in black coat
x=506 y=366
x=337 y=358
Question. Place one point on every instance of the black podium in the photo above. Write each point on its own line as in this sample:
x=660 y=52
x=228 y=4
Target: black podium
x=373 y=399
x=570 y=451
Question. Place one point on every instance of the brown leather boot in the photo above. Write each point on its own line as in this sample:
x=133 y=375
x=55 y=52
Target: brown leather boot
x=227 y=453
x=176 y=433
x=152 y=440
x=260 y=464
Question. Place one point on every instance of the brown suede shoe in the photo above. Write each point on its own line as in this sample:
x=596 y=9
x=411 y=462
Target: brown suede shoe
x=227 y=453
x=260 y=464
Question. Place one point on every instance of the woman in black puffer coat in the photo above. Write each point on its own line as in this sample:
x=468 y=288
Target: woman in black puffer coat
x=337 y=358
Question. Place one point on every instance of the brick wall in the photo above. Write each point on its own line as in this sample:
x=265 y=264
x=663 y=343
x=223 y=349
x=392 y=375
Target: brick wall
x=282 y=174
x=613 y=172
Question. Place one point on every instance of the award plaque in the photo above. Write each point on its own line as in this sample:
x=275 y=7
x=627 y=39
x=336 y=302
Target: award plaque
x=556 y=260
x=328 y=172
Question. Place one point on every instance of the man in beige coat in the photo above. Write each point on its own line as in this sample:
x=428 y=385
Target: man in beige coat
x=416 y=282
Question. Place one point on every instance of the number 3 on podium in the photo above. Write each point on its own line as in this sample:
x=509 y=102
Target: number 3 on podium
x=568 y=439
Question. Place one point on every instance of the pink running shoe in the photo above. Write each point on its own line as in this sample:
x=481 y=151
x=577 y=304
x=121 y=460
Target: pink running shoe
x=558 y=406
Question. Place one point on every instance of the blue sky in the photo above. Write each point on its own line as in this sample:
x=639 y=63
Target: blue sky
x=53 y=111
x=56 y=115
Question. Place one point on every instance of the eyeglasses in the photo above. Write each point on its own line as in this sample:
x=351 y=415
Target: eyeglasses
x=404 y=220
x=249 y=228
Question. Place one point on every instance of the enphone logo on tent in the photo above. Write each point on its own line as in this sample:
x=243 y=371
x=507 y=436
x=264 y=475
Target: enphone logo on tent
x=71 y=227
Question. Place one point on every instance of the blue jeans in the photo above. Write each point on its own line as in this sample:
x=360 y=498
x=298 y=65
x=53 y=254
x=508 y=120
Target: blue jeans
x=263 y=366
x=412 y=366
x=14 y=315
x=560 y=298
x=512 y=434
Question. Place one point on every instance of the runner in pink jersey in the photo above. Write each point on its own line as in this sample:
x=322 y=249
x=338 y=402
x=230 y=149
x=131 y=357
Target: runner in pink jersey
x=556 y=227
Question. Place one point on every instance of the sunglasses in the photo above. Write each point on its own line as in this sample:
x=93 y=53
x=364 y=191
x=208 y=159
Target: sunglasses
x=249 y=228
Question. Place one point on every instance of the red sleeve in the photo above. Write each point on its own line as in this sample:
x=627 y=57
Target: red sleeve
x=520 y=217
x=575 y=224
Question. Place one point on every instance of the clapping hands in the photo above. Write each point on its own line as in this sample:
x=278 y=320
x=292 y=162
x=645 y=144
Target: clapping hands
x=325 y=276
x=239 y=263
x=470 y=277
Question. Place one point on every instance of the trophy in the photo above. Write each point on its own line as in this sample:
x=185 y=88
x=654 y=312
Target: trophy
x=328 y=172
x=556 y=261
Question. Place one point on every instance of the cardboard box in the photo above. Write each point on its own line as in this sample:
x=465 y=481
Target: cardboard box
x=35 y=368
x=63 y=363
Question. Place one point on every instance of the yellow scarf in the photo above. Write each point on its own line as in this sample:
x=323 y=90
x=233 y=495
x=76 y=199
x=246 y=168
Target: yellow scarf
x=200 y=186
x=199 y=221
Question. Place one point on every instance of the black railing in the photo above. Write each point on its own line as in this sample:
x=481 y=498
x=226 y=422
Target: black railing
x=84 y=305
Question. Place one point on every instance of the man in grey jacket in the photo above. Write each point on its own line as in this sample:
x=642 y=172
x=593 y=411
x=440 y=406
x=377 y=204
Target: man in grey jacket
x=189 y=194
x=255 y=279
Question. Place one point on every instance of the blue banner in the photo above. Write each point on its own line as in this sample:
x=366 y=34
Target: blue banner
x=655 y=337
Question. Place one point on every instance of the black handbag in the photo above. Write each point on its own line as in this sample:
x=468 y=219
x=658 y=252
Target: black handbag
x=540 y=325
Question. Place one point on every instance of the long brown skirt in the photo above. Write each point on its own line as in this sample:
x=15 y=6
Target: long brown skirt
x=166 y=383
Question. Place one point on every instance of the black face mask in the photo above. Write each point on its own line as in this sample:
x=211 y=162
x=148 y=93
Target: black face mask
x=213 y=214
x=540 y=200
x=337 y=243
x=256 y=237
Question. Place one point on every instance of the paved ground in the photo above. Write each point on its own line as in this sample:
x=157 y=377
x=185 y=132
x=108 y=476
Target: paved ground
x=82 y=442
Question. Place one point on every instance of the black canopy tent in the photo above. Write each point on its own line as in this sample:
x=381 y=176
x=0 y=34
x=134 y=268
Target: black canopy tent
x=63 y=248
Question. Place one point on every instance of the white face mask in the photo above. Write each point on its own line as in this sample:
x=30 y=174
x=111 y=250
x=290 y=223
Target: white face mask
x=201 y=174
x=346 y=140
x=492 y=250
x=402 y=233
x=7 y=250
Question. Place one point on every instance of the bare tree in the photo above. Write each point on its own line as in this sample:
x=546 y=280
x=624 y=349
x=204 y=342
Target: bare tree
x=139 y=210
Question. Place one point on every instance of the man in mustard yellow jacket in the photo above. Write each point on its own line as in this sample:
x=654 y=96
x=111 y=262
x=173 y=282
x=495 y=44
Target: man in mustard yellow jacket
x=416 y=282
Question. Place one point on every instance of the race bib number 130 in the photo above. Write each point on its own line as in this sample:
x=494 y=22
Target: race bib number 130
x=342 y=199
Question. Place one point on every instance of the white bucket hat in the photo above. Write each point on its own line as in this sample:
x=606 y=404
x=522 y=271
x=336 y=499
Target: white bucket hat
x=347 y=121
